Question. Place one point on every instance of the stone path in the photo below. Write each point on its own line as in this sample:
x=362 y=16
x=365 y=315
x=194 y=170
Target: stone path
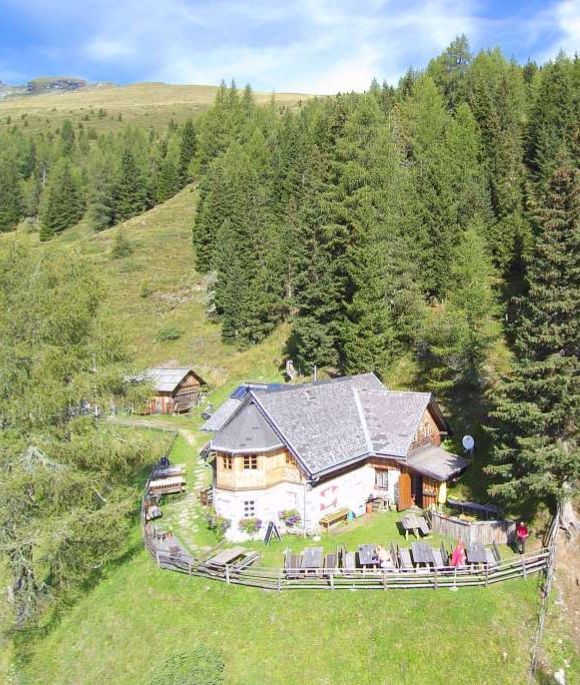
x=189 y=518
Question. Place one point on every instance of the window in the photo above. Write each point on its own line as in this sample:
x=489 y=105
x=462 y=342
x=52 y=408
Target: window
x=249 y=509
x=228 y=463
x=250 y=461
x=382 y=479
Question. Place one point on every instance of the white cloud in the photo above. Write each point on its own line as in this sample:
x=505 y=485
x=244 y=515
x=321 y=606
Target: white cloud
x=302 y=45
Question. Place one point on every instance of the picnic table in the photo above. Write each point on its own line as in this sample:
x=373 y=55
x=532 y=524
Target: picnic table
x=416 y=524
x=169 y=471
x=422 y=553
x=367 y=556
x=476 y=553
x=312 y=558
x=227 y=556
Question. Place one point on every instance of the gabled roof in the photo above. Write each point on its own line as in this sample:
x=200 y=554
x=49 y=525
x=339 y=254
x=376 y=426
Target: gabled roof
x=220 y=417
x=329 y=424
x=167 y=380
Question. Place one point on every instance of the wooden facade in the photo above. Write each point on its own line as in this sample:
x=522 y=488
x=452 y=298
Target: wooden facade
x=179 y=400
x=255 y=471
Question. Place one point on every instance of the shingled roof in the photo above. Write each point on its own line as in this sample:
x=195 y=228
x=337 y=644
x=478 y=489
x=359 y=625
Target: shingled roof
x=167 y=380
x=328 y=424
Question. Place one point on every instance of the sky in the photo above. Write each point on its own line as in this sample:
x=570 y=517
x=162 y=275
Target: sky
x=311 y=46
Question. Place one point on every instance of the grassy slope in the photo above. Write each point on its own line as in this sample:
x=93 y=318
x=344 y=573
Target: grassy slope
x=145 y=104
x=163 y=259
x=399 y=637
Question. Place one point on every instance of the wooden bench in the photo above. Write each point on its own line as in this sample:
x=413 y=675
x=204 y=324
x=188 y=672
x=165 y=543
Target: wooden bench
x=334 y=517
x=166 y=486
x=405 y=557
x=292 y=564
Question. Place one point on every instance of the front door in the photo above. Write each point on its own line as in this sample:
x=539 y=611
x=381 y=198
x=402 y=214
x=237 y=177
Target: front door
x=405 y=500
x=417 y=489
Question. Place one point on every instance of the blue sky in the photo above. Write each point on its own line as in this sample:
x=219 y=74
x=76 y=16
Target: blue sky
x=317 y=46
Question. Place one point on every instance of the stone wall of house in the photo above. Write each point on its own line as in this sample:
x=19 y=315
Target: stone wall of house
x=349 y=490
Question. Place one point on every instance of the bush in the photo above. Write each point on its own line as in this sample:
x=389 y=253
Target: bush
x=121 y=246
x=219 y=524
x=250 y=525
x=202 y=665
x=291 y=517
x=146 y=290
x=169 y=333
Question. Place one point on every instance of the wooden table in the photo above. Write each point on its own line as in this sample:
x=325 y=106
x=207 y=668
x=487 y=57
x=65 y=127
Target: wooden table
x=422 y=553
x=312 y=558
x=476 y=553
x=227 y=556
x=367 y=556
x=410 y=522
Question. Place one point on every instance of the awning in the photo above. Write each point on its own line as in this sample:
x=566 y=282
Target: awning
x=436 y=463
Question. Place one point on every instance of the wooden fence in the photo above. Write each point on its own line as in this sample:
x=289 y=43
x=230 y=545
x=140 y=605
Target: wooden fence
x=501 y=532
x=175 y=558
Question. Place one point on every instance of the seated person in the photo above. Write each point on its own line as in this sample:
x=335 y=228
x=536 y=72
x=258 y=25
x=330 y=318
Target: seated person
x=383 y=556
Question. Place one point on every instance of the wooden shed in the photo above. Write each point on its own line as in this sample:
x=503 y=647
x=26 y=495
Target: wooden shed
x=175 y=390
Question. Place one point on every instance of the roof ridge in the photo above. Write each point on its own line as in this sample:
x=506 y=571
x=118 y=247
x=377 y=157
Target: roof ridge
x=363 y=421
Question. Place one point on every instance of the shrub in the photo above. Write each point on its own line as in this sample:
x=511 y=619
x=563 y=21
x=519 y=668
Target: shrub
x=169 y=333
x=219 y=524
x=121 y=246
x=201 y=665
x=291 y=517
x=250 y=525
x=146 y=290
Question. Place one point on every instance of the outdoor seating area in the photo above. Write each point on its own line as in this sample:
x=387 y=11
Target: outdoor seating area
x=167 y=479
x=419 y=557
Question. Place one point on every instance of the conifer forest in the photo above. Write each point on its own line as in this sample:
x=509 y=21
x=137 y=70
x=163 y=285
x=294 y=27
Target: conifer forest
x=435 y=222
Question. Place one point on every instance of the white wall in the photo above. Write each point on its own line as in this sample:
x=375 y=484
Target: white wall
x=349 y=490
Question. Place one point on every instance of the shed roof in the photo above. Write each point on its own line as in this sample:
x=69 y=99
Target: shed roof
x=436 y=463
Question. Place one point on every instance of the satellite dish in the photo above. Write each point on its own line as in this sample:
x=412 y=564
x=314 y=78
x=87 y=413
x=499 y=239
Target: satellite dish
x=468 y=442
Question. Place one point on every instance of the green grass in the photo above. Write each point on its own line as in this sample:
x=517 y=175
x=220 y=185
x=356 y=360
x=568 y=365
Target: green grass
x=140 y=104
x=138 y=615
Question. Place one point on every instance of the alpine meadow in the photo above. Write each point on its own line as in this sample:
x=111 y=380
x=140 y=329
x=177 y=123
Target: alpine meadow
x=426 y=232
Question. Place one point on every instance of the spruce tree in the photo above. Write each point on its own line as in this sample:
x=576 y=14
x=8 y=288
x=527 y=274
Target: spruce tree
x=537 y=408
x=10 y=196
x=62 y=201
x=187 y=151
x=461 y=332
x=130 y=188
x=101 y=198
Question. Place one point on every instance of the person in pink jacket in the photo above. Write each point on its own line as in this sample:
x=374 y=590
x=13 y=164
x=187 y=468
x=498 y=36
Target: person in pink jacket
x=522 y=534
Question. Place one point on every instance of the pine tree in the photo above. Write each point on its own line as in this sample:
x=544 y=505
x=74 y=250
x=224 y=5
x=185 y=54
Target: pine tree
x=537 y=410
x=10 y=196
x=187 y=151
x=62 y=201
x=67 y=136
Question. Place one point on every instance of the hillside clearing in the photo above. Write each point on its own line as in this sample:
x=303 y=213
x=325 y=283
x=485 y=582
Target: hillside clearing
x=142 y=104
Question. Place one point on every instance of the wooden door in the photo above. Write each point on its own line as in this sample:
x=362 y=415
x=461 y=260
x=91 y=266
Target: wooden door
x=405 y=500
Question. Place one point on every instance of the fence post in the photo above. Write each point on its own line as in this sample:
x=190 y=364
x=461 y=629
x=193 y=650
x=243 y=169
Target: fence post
x=524 y=569
x=455 y=578
x=227 y=574
x=157 y=557
x=279 y=582
x=332 y=580
x=486 y=575
x=435 y=569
